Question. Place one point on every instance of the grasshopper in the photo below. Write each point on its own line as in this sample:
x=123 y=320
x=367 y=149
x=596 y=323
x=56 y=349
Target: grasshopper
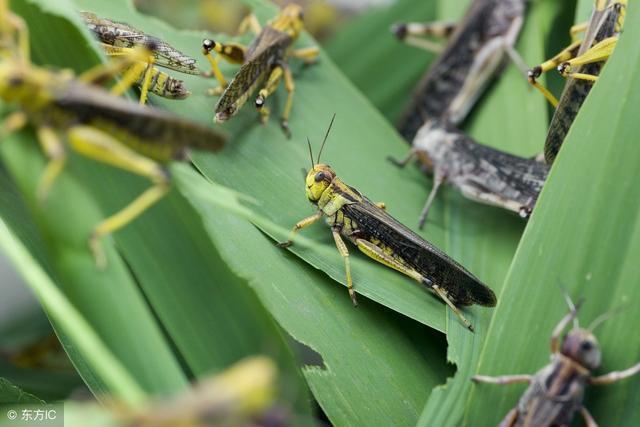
x=582 y=61
x=556 y=391
x=264 y=64
x=384 y=239
x=479 y=172
x=474 y=53
x=118 y=39
x=96 y=123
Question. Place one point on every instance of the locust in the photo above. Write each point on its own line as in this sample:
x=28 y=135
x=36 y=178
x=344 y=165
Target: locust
x=118 y=39
x=481 y=173
x=381 y=237
x=556 y=392
x=264 y=64
x=475 y=51
x=94 y=122
x=581 y=62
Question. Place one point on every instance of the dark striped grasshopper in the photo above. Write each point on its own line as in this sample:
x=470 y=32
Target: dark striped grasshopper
x=382 y=238
x=475 y=51
x=264 y=64
x=582 y=62
x=118 y=39
x=556 y=392
x=95 y=123
x=479 y=172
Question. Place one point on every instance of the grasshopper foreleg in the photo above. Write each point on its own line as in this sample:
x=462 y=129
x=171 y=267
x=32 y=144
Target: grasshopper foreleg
x=12 y=123
x=438 y=180
x=299 y=226
x=616 y=376
x=405 y=160
x=503 y=379
x=100 y=146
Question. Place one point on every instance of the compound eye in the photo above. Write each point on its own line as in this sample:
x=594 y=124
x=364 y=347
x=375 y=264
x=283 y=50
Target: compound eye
x=586 y=346
x=301 y=15
x=319 y=177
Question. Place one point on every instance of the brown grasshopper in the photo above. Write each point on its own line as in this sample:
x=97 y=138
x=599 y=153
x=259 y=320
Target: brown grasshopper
x=474 y=53
x=556 y=391
x=583 y=61
x=479 y=172
x=264 y=64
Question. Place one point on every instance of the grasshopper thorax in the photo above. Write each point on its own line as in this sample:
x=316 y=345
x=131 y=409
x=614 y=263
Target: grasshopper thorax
x=289 y=20
x=318 y=179
x=581 y=346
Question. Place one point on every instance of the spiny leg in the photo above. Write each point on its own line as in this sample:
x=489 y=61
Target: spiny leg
x=299 y=226
x=598 y=52
x=344 y=252
x=290 y=87
x=438 y=179
x=616 y=376
x=308 y=54
x=588 y=419
x=577 y=29
x=268 y=89
x=411 y=33
x=54 y=149
x=502 y=379
x=17 y=24
x=100 y=146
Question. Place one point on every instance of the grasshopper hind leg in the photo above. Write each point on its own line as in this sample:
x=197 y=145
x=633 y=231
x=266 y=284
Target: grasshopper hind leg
x=382 y=257
x=95 y=144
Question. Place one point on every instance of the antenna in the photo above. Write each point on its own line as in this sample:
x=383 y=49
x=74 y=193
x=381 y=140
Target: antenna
x=325 y=137
x=310 y=152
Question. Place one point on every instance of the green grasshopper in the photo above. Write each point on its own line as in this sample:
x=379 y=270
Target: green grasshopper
x=583 y=61
x=556 y=391
x=382 y=238
x=96 y=123
x=264 y=64
x=474 y=53
x=118 y=39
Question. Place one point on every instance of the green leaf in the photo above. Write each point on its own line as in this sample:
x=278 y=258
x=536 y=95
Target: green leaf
x=10 y=394
x=584 y=236
x=383 y=68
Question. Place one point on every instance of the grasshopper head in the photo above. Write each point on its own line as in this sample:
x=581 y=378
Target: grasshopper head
x=317 y=181
x=289 y=20
x=23 y=84
x=582 y=346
